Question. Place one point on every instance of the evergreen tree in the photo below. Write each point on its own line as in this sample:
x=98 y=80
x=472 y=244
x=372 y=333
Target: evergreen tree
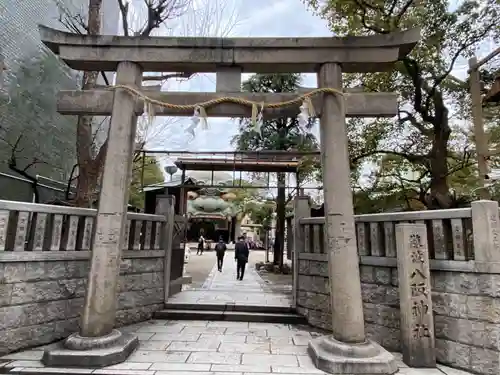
x=276 y=134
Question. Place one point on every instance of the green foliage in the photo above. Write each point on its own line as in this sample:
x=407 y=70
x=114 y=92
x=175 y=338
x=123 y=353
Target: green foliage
x=261 y=212
x=31 y=131
x=419 y=154
x=246 y=191
x=152 y=175
x=276 y=134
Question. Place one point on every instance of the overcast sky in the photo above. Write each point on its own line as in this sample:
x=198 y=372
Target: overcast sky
x=242 y=18
x=256 y=18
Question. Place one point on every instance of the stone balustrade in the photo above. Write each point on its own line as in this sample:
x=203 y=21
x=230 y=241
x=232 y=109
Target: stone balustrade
x=449 y=231
x=44 y=265
x=40 y=227
x=464 y=253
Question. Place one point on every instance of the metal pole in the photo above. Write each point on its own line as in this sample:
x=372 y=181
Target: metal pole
x=479 y=134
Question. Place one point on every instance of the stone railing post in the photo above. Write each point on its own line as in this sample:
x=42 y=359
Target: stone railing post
x=165 y=205
x=486 y=231
x=302 y=208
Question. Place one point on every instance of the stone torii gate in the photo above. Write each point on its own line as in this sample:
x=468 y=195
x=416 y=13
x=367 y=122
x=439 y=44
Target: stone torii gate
x=97 y=344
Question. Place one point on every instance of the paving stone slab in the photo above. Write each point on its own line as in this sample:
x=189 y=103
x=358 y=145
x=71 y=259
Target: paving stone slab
x=130 y=366
x=224 y=338
x=270 y=359
x=215 y=358
x=295 y=370
x=158 y=356
x=235 y=331
x=199 y=346
x=154 y=345
x=122 y=372
x=271 y=340
x=419 y=371
x=242 y=368
x=161 y=329
x=181 y=367
x=245 y=348
x=288 y=349
x=175 y=337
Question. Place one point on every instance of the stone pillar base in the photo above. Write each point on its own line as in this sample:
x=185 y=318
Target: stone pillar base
x=336 y=357
x=79 y=351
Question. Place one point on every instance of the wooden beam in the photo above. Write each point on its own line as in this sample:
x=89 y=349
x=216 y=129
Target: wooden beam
x=100 y=102
x=237 y=165
x=253 y=55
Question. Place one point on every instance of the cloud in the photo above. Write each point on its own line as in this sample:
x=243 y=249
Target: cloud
x=258 y=18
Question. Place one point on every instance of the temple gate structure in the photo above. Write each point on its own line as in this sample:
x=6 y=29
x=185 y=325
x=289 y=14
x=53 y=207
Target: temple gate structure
x=346 y=350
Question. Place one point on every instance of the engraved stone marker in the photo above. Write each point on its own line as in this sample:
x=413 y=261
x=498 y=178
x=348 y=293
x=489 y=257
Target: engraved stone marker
x=417 y=324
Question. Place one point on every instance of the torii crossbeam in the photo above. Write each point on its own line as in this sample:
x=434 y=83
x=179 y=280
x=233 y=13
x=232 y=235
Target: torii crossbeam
x=346 y=350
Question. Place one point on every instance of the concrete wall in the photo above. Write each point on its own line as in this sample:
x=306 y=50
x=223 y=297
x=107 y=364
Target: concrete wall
x=41 y=295
x=466 y=305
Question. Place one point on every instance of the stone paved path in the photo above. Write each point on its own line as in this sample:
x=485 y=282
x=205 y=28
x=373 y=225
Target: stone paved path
x=208 y=348
x=223 y=288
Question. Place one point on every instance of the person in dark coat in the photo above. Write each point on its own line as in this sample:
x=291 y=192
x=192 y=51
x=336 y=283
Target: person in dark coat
x=220 y=251
x=241 y=254
x=201 y=245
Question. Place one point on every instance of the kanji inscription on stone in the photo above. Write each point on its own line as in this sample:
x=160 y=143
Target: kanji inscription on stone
x=417 y=325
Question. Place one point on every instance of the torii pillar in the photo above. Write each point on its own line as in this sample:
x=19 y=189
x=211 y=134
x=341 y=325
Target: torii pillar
x=346 y=351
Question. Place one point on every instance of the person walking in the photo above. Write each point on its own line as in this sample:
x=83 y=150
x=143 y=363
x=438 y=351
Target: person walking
x=241 y=254
x=201 y=245
x=220 y=251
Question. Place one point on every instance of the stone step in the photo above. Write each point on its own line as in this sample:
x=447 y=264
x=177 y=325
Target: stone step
x=275 y=309
x=235 y=316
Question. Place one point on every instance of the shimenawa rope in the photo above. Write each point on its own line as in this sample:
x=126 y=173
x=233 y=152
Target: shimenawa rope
x=201 y=107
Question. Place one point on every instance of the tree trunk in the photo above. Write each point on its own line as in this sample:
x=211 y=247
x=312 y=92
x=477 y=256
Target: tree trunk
x=279 y=243
x=440 y=197
x=88 y=169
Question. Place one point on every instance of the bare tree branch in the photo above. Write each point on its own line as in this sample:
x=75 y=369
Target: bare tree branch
x=124 y=15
